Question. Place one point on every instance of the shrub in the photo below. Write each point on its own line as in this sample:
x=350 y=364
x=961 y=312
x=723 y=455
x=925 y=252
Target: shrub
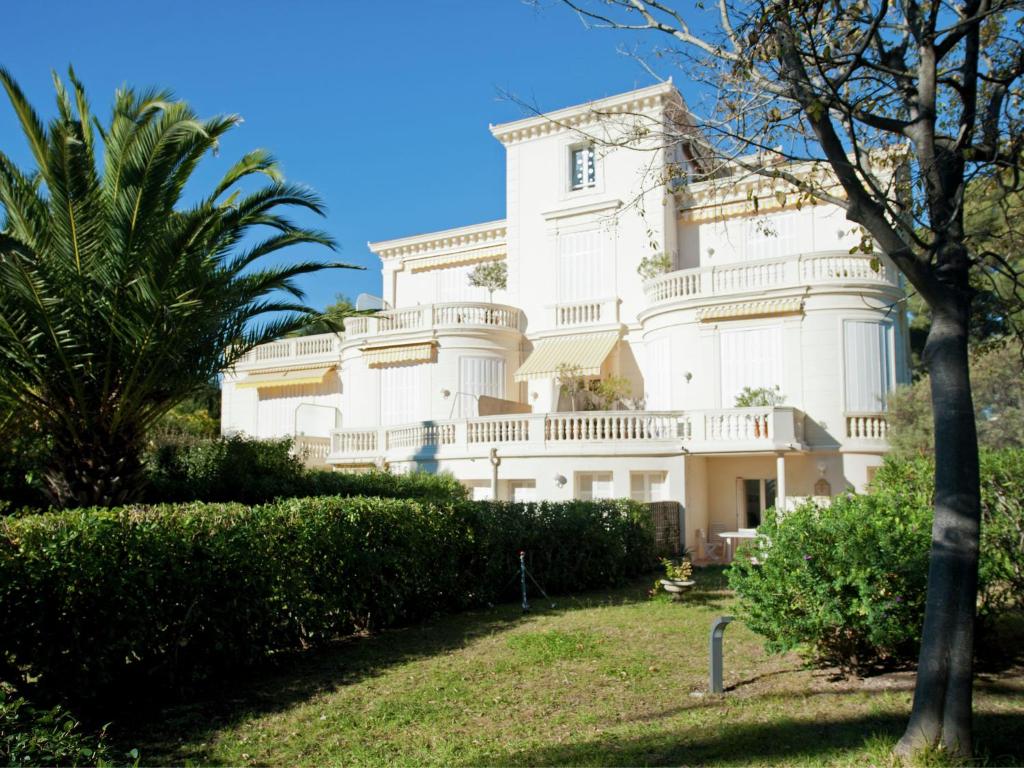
x=118 y=604
x=847 y=581
x=31 y=736
x=256 y=471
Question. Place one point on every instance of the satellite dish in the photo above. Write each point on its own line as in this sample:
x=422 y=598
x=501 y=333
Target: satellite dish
x=366 y=302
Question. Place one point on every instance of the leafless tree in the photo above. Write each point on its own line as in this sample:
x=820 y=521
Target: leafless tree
x=889 y=109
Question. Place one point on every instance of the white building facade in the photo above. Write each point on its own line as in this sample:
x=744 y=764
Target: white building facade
x=762 y=296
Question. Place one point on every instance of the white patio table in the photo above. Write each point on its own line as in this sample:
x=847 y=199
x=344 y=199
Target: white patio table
x=740 y=535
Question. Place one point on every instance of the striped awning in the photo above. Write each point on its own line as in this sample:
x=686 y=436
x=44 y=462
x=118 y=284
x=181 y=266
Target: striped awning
x=377 y=357
x=584 y=352
x=285 y=377
x=764 y=308
x=491 y=253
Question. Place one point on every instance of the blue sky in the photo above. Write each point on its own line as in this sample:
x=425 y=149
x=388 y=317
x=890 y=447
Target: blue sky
x=382 y=107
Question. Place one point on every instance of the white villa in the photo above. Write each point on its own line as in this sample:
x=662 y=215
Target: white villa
x=761 y=296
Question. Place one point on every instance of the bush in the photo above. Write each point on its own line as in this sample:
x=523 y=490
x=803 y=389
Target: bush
x=847 y=582
x=30 y=736
x=256 y=471
x=118 y=604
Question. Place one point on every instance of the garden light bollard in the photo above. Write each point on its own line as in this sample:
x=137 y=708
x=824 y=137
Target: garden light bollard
x=717 y=630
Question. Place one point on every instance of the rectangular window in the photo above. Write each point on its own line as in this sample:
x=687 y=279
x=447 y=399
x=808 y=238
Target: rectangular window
x=647 y=486
x=868 y=365
x=479 y=376
x=523 y=490
x=591 y=486
x=750 y=358
x=658 y=375
x=582 y=269
x=452 y=284
x=773 y=236
x=399 y=388
x=582 y=167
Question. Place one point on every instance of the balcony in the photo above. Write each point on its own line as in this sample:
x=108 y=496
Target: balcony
x=819 y=268
x=426 y=317
x=733 y=430
x=322 y=348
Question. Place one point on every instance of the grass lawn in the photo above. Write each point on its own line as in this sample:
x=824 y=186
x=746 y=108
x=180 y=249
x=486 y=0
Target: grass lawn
x=601 y=679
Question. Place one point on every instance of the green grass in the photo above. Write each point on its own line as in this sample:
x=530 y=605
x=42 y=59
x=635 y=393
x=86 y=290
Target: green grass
x=600 y=679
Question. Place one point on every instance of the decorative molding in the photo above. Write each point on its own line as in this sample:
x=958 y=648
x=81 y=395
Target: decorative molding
x=580 y=210
x=582 y=115
x=435 y=243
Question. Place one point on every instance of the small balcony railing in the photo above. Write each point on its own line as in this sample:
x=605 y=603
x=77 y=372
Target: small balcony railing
x=324 y=347
x=701 y=431
x=867 y=426
x=431 y=316
x=826 y=267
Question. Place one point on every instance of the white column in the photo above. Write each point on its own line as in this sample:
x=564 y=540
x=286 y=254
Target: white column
x=780 y=482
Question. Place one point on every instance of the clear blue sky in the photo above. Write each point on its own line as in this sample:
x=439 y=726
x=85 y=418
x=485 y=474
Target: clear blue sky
x=382 y=107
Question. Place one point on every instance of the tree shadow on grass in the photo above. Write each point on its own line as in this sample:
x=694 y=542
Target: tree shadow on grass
x=294 y=677
x=999 y=738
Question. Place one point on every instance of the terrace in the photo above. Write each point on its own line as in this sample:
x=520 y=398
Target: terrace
x=732 y=430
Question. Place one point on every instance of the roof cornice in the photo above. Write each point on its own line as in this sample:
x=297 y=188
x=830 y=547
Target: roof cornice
x=581 y=115
x=432 y=243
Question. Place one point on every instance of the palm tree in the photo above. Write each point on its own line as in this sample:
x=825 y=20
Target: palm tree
x=117 y=299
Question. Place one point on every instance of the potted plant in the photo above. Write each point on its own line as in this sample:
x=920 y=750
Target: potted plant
x=678 y=577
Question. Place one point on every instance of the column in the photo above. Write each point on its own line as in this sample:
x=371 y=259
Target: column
x=780 y=482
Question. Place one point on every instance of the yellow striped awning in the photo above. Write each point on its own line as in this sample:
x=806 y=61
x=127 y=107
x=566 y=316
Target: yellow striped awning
x=764 y=308
x=285 y=378
x=491 y=253
x=376 y=357
x=586 y=352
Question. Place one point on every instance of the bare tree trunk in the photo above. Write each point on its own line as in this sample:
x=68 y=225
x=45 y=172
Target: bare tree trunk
x=942 y=696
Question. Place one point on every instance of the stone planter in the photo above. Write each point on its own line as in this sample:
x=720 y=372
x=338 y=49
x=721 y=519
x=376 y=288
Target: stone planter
x=677 y=587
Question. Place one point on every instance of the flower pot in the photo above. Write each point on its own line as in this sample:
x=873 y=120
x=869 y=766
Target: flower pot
x=677 y=587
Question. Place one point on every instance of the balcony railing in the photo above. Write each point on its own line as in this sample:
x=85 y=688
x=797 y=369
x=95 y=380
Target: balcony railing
x=596 y=312
x=322 y=347
x=804 y=269
x=733 y=429
x=431 y=316
x=867 y=426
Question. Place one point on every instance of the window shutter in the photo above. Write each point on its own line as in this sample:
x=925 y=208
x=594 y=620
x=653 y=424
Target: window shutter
x=868 y=366
x=750 y=358
x=479 y=376
x=399 y=387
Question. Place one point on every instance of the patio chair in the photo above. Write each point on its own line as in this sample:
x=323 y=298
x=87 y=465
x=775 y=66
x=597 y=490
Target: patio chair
x=709 y=550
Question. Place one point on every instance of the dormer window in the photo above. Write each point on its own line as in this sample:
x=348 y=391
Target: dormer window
x=583 y=166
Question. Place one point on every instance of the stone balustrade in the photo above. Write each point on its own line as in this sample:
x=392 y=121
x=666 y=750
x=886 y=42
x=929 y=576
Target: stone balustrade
x=323 y=347
x=584 y=313
x=732 y=429
x=425 y=317
x=823 y=267
x=867 y=426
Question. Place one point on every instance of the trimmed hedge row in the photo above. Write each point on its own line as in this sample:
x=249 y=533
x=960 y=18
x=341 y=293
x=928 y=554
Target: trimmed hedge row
x=257 y=471
x=120 y=604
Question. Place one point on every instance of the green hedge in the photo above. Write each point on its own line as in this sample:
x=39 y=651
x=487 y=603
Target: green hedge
x=257 y=471
x=847 y=582
x=119 y=604
x=32 y=736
